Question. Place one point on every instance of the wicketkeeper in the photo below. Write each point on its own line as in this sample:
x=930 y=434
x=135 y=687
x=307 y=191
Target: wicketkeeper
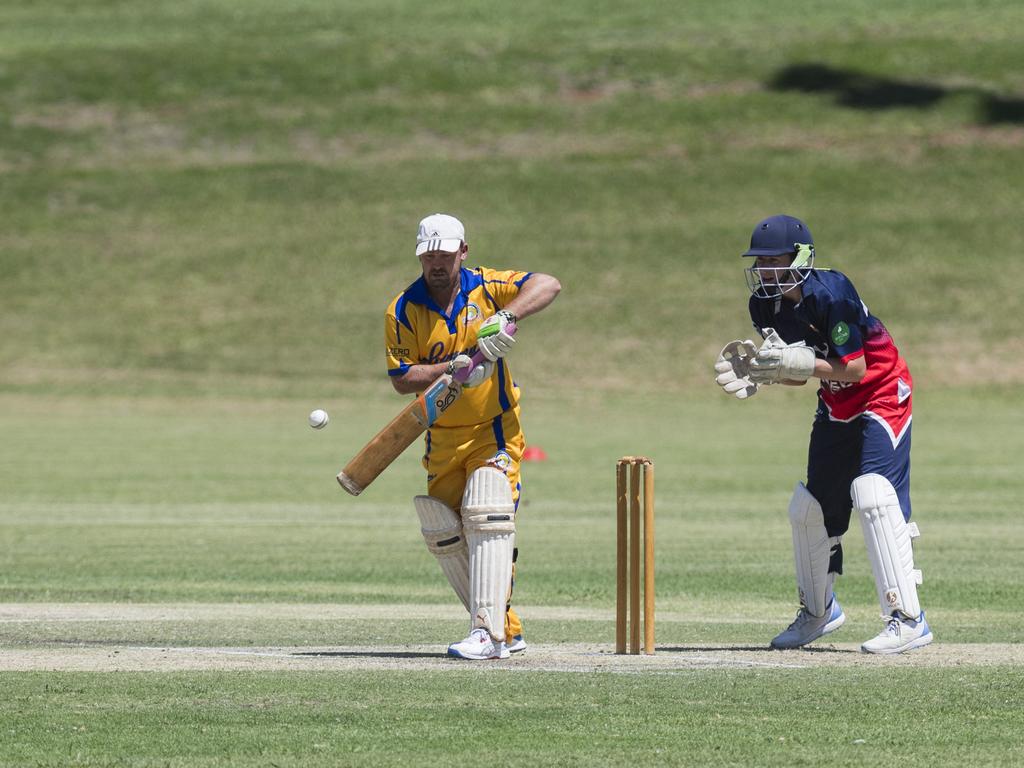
x=472 y=453
x=814 y=324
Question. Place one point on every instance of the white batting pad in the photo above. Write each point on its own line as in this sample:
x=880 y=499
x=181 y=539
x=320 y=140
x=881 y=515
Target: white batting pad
x=488 y=516
x=888 y=538
x=442 y=530
x=811 y=551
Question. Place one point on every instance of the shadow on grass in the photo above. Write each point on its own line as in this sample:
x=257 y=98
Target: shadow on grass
x=859 y=90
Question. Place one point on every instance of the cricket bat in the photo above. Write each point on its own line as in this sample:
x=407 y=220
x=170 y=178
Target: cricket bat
x=388 y=444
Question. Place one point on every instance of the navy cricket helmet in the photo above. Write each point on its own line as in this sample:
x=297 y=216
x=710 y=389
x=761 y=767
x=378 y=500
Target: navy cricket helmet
x=779 y=235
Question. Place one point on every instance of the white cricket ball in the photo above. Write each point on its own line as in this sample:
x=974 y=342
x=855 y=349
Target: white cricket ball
x=318 y=419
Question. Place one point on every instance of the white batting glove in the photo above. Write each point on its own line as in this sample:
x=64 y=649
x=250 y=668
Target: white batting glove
x=477 y=376
x=778 y=361
x=733 y=369
x=492 y=338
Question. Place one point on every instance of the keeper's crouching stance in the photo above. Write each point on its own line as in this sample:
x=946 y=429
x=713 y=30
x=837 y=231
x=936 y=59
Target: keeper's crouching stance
x=814 y=324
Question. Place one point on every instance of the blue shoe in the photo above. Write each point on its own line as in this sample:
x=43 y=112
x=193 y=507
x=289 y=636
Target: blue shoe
x=806 y=628
x=900 y=634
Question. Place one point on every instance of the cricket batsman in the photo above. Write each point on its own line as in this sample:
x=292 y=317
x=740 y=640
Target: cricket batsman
x=473 y=451
x=814 y=324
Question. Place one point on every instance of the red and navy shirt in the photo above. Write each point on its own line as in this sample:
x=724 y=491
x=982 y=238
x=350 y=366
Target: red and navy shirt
x=832 y=319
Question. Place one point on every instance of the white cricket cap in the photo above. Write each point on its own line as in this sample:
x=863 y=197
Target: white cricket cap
x=440 y=232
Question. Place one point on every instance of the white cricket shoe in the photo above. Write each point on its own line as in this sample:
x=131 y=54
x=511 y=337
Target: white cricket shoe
x=517 y=644
x=900 y=634
x=806 y=627
x=479 y=645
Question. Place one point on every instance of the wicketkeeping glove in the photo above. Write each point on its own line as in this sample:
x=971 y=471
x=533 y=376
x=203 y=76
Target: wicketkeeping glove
x=492 y=339
x=733 y=369
x=477 y=376
x=778 y=361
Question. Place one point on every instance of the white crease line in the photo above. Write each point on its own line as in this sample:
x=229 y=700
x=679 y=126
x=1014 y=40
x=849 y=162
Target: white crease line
x=132 y=614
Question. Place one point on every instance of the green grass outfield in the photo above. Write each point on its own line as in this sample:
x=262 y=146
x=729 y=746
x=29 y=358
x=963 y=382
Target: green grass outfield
x=222 y=195
x=704 y=717
x=212 y=537
x=206 y=206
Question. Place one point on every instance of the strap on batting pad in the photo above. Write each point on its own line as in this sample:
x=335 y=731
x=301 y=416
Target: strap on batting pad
x=488 y=516
x=442 y=530
x=812 y=550
x=888 y=538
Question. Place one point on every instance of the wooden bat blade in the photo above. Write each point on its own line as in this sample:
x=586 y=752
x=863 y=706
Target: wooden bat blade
x=390 y=442
x=384 y=448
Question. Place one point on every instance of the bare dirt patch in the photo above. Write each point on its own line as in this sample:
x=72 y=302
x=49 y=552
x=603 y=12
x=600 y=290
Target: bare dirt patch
x=104 y=656
x=545 y=657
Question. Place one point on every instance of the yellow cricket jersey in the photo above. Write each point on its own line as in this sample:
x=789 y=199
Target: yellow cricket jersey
x=417 y=331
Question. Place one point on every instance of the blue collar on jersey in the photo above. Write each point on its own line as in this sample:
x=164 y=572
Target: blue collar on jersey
x=418 y=293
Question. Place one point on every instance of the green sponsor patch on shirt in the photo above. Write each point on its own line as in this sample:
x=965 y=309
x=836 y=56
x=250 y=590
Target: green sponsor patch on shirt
x=840 y=333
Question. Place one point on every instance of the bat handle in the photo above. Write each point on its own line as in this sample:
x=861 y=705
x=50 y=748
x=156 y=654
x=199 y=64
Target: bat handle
x=478 y=357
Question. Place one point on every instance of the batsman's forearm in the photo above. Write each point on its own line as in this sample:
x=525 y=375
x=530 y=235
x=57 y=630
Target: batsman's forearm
x=536 y=293
x=418 y=378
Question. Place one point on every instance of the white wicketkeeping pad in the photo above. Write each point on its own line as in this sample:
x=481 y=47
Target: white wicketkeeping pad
x=488 y=516
x=442 y=530
x=811 y=551
x=888 y=538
